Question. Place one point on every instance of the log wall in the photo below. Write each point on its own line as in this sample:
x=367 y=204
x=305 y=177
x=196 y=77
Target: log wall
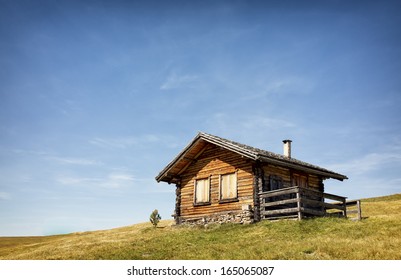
x=251 y=179
x=283 y=173
x=314 y=182
x=215 y=161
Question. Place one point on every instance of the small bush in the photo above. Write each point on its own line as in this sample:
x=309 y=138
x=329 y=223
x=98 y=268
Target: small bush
x=155 y=217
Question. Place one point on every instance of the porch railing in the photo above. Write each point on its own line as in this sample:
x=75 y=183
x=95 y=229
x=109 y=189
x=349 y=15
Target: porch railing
x=299 y=202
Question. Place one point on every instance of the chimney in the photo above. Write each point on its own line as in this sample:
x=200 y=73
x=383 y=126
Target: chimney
x=287 y=148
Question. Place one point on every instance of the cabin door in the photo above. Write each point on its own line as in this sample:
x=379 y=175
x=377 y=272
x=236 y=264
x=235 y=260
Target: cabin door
x=300 y=180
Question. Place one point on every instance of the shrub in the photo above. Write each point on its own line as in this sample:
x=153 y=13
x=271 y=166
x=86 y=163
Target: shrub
x=155 y=217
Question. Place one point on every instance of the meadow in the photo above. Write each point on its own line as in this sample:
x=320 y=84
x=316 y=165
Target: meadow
x=377 y=236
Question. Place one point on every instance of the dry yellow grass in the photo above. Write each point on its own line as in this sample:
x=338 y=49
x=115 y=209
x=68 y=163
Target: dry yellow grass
x=377 y=236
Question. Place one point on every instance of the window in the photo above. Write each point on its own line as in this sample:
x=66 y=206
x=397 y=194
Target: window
x=202 y=191
x=275 y=183
x=228 y=186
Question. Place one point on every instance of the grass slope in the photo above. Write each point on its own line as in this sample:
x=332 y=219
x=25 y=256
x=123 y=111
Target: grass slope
x=377 y=236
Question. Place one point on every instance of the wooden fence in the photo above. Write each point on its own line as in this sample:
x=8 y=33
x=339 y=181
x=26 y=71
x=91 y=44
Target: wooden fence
x=354 y=211
x=298 y=202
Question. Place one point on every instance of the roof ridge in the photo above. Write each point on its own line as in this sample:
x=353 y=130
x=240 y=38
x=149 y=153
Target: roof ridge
x=207 y=136
x=257 y=151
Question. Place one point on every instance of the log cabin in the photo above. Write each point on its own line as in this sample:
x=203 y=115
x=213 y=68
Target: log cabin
x=219 y=180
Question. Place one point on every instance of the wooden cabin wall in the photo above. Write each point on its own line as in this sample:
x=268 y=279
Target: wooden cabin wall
x=215 y=161
x=272 y=170
x=285 y=174
x=315 y=182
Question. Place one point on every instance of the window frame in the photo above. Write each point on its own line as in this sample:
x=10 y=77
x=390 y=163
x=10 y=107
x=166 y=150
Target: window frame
x=230 y=199
x=278 y=180
x=201 y=203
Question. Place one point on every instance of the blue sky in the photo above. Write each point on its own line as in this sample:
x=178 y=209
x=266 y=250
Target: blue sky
x=96 y=97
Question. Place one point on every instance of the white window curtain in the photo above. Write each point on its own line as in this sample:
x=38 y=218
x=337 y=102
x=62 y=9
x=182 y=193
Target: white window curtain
x=228 y=186
x=202 y=191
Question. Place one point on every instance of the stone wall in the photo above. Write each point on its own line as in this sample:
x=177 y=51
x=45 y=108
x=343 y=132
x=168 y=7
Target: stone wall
x=238 y=217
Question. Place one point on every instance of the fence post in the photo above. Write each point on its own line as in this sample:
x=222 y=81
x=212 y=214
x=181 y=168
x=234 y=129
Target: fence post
x=345 y=207
x=299 y=203
x=358 y=208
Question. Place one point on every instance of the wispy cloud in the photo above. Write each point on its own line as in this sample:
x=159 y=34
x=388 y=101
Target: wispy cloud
x=30 y=152
x=291 y=85
x=125 y=142
x=75 y=161
x=178 y=81
x=120 y=143
x=368 y=163
x=362 y=186
x=253 y=129
x=58 y=159
x=261 y=122
x=114 y=180
x=5 y=196
x=234 y=123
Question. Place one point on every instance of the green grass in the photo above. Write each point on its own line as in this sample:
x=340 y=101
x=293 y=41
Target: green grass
x=377 y=236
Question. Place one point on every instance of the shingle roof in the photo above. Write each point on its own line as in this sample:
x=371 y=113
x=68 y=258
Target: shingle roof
x=173 y=168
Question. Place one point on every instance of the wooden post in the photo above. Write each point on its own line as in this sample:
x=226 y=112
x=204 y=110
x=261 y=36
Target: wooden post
x=299 y=204
x=257 y=188
x=345 y=207
x=177 y=211
x=358 y=207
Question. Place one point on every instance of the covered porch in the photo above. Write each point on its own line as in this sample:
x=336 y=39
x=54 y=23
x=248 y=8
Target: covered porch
x=300 y=202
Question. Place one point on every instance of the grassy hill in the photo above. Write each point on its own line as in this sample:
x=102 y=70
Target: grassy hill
x=377 y=236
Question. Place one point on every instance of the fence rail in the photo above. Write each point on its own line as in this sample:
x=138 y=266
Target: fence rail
x=354 y=211
x=298 y=202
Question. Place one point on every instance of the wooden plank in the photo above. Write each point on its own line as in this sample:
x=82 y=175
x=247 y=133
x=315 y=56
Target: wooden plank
x=284 y=173
x=278 y=192
x=322 y=194
x=347 y=202
x=287 y=217
x=353 y=201
x=334 y=197
x=310 y=192
x=311 y=202
x=321 y=203
x=313 y=181
x=280 y=211
x=280 y=202
x=312 y=211
x=333 y=206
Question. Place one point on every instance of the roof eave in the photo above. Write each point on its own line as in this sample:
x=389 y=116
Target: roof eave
x=208 y=138
x=253 y=155
x=316 y=171
x=168 y=167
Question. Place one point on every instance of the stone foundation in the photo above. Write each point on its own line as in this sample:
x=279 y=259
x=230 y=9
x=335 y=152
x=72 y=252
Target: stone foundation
x=238 y=217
